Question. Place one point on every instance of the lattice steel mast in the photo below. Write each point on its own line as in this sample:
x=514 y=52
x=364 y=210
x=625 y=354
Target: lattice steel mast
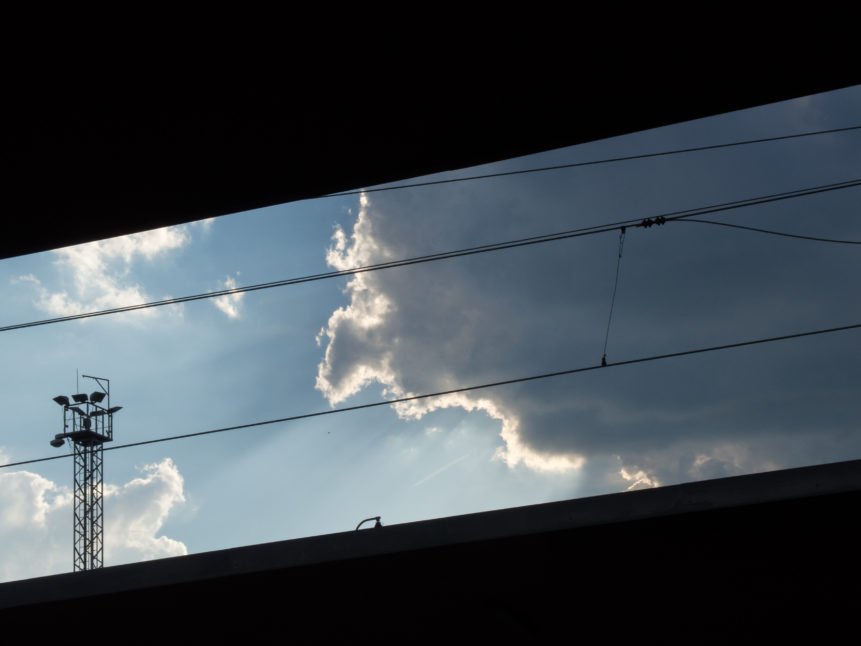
x=91 y=424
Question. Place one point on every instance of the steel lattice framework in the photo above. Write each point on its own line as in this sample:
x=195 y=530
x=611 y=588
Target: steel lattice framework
x=87 y=425
x=89 y=510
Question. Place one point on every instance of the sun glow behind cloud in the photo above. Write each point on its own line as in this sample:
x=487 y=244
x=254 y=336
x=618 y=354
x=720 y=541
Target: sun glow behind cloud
x=366 y=340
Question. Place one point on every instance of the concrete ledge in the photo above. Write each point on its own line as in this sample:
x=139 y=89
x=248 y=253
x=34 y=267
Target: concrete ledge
x=711 y=495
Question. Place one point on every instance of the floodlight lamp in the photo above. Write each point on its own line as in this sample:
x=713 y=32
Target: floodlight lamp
x=62 y=400
x=97 y=396
x=114 y=409
x=57 y=442
x=78 y=411
x=80 y=399
x=97 y=413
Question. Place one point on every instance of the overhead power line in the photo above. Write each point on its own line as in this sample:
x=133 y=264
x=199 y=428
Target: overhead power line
x=594 y=162
x=613 y=298
x=774 y=233
x=497 y=246
x=506 y=382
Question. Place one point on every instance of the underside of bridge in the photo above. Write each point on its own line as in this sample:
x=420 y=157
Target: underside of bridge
x=89 y=156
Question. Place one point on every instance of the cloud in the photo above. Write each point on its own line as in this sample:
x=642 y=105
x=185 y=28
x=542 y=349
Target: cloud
x=36 y=518
x=368 y=341
x=205 y=224
x=229 y=303
x=99 y=272
x=485 y=318
x=685 y=461
x=639 y=479
x=136 y=512
x=32 y=525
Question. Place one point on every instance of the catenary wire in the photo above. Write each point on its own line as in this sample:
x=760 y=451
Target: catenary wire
x=774 y=233
x=506 y=382
x=594 y=162
x=498 y=246
x=613 y=299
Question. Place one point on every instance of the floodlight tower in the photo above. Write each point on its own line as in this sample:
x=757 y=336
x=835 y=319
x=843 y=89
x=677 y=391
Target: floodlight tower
x=91 y=424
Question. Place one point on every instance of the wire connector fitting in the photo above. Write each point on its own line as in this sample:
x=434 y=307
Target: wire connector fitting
x=658 y=221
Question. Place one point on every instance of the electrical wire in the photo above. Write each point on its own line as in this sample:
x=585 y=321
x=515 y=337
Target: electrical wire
x=497 y=246
x=774 y=233
x=594 y=162
x=506 y=382
x=613 y=299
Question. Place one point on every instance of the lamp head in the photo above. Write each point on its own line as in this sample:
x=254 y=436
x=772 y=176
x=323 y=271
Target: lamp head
x=62 y=400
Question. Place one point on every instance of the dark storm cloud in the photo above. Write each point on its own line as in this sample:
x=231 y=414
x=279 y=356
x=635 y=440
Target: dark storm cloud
x=544 y=308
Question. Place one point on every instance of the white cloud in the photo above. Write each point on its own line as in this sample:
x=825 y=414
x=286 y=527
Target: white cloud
x=36 y=521
x=99 y=272
x=136 y=512
x=32 y=525
x=229 y=303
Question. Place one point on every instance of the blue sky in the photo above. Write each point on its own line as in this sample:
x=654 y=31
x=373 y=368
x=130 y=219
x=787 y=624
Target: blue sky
x=430 y=327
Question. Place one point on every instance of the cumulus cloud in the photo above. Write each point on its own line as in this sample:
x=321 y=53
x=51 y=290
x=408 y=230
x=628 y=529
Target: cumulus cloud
x=481 y=319
x=36 y=518
x=229 y=303
x=136 y=511
x=30 y=526
x=98 y=274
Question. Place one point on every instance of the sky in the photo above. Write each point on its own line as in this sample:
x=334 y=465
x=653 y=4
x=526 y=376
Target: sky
x=437 y=326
